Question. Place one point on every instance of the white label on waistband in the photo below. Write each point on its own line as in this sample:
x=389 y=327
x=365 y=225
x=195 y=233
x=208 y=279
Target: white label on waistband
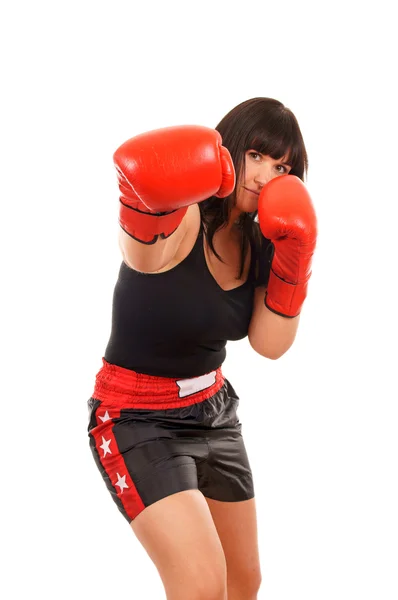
x=195 y=384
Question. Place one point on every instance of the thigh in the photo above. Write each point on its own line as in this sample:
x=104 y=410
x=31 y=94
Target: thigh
x=236 y=524
x=179 y=535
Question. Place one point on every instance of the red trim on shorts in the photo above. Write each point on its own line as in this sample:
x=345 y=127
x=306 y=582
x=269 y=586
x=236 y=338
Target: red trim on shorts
x=113 y=463
x=116 y=385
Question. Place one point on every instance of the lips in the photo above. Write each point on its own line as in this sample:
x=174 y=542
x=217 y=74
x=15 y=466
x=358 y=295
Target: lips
x=252 y=191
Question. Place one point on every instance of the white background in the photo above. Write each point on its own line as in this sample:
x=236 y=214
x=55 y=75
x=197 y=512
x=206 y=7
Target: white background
x=320 y=424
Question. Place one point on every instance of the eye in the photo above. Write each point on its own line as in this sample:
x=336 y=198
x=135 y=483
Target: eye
x=284 y=171
x=254 y=155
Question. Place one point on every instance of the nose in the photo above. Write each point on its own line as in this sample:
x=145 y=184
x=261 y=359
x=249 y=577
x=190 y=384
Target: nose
x=264 y=175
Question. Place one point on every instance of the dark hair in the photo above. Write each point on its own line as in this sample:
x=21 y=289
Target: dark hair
x=264 y=125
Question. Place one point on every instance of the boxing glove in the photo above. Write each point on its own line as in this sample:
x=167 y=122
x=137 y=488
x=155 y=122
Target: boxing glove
x=162 y=172
x=287 y=217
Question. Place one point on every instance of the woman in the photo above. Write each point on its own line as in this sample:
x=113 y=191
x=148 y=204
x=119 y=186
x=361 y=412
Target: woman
x=199 y=269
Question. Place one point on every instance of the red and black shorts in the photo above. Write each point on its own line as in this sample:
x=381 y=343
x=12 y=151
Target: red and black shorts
x=155 y=436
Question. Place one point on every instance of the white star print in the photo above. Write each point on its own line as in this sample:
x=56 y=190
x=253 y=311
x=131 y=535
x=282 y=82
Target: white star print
x=106 y=417
x=121 y=482
x=105 y=446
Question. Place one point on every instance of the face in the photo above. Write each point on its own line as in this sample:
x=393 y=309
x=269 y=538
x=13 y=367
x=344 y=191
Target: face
x=259 y=169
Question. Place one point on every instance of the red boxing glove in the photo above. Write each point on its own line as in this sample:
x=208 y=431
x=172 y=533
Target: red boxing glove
x=162 y=172
x=287 y=218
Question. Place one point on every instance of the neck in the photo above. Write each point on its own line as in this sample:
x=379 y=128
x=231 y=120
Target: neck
x=233 y=219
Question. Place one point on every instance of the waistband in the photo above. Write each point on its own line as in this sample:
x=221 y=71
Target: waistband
x=116 y=385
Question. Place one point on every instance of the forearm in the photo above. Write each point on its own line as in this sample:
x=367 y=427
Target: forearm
x=270 y=334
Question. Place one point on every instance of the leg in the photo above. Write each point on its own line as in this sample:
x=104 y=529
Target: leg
x=236 y=524
x=179 y=536
x=226 y=481
x=152 y=478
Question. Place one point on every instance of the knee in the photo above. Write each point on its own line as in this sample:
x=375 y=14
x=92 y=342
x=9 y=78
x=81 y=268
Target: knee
x=245 y=584
x=213 y=588
x=204 y=591
x=209 y=584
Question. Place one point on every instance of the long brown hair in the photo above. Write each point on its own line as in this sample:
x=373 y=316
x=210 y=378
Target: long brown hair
x=264 y=125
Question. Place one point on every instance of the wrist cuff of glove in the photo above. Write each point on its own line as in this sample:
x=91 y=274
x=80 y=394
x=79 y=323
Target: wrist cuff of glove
x=283 y=298
x=147 y=227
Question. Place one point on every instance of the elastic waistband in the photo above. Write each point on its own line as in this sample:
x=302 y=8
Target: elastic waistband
x=116 y=385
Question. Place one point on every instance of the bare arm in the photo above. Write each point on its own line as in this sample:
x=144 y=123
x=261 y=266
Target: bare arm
x=270 y=334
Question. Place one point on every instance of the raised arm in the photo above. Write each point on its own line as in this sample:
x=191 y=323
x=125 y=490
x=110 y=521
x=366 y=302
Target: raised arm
x=160 y=174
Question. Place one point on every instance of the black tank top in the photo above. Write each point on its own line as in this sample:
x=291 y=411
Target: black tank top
x=177 y=323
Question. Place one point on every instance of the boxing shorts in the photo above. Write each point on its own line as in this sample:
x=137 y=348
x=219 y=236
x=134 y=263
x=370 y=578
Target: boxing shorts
x=156 y=436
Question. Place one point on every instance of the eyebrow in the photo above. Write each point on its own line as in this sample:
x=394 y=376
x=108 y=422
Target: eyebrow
x=284 y=164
